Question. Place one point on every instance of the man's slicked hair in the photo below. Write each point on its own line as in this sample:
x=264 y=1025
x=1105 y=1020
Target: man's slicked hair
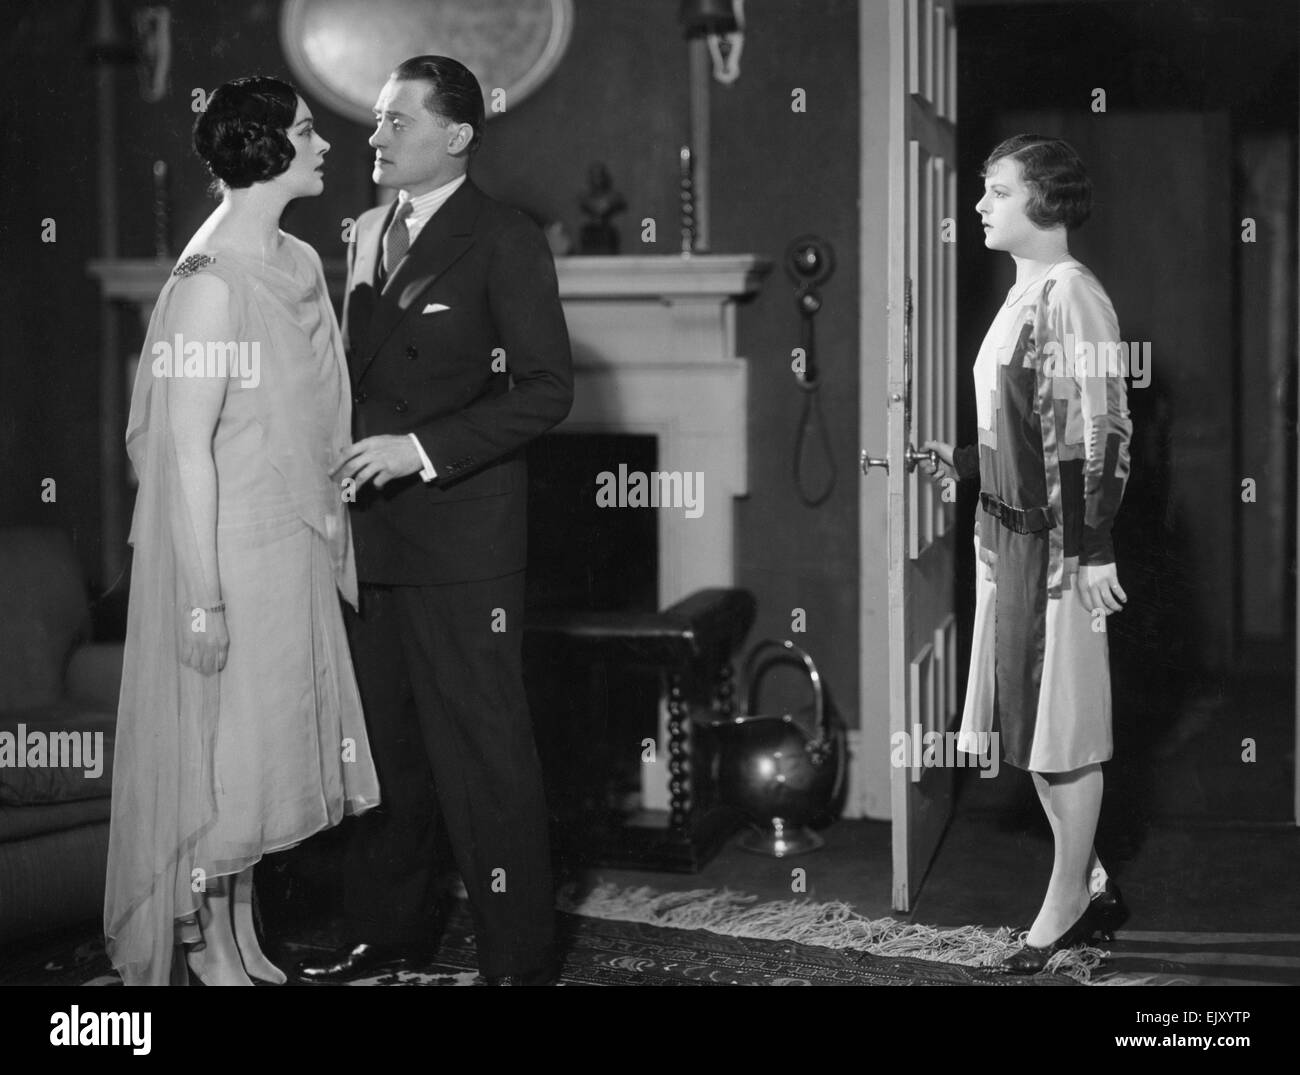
x=454 y=94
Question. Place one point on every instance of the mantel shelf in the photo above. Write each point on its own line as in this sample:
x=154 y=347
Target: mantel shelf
x=699 y=277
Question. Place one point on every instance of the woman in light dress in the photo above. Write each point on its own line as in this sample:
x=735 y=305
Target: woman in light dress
x=240 y=729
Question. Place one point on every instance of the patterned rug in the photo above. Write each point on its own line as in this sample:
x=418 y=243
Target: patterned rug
x=638 y=936
x=597 y=951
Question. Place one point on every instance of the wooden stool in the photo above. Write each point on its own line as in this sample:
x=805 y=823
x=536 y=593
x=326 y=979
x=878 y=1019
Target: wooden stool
x=690 y=645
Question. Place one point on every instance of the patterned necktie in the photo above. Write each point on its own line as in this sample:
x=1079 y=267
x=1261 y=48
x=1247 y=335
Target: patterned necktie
x=397 y=240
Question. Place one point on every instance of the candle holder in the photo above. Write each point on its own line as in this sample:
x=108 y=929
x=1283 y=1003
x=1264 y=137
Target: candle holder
x=687 y=207
x=161 y=212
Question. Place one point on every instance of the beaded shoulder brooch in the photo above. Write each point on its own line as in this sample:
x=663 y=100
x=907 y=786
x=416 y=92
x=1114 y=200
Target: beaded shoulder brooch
x=192 y=264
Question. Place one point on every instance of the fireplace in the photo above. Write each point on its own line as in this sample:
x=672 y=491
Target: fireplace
x=654 y=348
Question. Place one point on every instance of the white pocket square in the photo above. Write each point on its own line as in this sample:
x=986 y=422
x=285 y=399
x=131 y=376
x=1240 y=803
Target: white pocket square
x=435 y=308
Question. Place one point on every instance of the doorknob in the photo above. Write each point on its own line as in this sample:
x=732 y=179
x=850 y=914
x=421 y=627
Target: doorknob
x=910 y=458
x=866 y=462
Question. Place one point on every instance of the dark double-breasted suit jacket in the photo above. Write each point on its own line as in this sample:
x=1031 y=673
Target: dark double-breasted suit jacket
x=466 y=347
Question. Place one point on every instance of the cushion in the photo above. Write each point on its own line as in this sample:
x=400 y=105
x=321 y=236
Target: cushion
x=57 y=754
x=26 y=822
x=43 y=612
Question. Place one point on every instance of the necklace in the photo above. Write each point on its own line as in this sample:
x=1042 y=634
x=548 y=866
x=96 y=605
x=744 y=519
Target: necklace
x=1013 y=299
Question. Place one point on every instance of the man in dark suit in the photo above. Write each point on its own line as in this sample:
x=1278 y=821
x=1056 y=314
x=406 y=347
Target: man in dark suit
x=459 y=356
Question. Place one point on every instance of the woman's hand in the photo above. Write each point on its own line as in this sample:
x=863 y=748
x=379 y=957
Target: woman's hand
x=1098 y=588
x=204 y=641
x=944 y=470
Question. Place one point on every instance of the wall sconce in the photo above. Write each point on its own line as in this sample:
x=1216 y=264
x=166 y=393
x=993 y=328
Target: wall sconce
x=722 y=24
x=153 y=34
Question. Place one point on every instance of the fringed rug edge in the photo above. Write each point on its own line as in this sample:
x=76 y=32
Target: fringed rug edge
x=832 y=924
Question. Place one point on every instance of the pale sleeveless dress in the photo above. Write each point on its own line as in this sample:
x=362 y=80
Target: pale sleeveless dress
x=212 y=772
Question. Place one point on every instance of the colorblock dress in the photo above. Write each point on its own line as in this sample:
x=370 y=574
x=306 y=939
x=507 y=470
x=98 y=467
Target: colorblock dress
x=1053 y=460
x=212 y=772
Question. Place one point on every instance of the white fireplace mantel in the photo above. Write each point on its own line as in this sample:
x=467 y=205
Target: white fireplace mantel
x=654 y=347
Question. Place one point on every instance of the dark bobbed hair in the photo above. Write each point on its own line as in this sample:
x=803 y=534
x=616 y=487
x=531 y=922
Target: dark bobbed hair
x=1060 y=191
x=454 y=93
x=241 y=135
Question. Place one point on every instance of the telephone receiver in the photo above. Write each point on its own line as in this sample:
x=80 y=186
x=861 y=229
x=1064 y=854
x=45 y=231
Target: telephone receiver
x=809 y=263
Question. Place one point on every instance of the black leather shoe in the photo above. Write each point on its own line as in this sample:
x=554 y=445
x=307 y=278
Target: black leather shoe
x=1030 y=959
x=353 y=961
x=547 y=975
x=1112 y=911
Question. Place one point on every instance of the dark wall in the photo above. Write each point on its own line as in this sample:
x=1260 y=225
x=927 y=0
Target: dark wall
x=49 y=357
x=618 y=96
x=778 y=174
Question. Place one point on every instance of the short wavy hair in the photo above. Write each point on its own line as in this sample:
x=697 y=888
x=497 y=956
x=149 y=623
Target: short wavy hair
x=1060 y=191
x=241 y=135
x=454 y=94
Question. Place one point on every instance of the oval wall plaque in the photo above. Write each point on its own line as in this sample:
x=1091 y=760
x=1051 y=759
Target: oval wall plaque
x=342 y=51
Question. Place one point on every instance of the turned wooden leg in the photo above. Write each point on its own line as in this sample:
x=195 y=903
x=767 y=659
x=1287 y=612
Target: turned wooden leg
x=679 y=777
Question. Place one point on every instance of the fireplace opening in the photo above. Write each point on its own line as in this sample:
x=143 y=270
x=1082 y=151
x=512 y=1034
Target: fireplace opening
x=582 y=556
x=591 y=718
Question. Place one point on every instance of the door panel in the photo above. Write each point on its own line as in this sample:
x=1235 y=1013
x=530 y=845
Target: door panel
x=921 y=406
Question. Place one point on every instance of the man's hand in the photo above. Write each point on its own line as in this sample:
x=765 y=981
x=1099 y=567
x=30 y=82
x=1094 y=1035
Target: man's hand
x=381 y=458
x=1098 y=587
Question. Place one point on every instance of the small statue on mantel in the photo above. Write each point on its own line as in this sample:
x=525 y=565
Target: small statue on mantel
x=600 y=203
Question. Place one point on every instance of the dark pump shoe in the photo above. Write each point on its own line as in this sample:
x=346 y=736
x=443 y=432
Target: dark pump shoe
x=1031 y=960
x=1111 y=912
x=358 y=960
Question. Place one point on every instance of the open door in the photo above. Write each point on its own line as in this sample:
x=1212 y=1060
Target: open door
x=920 y=404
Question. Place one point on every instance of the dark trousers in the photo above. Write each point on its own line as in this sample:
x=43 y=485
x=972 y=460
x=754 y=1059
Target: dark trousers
x=441 y=679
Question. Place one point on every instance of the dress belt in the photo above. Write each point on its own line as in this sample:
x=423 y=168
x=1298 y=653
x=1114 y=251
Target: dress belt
x=1018 y=520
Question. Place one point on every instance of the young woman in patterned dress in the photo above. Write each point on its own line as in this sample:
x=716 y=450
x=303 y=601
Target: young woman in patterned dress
x=1052 y=459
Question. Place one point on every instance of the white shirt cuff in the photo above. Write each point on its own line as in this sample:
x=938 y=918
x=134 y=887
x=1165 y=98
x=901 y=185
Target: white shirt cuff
x=426 y=472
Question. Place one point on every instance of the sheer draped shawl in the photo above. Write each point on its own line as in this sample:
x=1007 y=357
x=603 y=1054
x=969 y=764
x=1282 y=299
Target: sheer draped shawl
x=163 y=780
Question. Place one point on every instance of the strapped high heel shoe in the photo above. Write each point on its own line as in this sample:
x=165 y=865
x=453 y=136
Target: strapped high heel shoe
x=1030 y=959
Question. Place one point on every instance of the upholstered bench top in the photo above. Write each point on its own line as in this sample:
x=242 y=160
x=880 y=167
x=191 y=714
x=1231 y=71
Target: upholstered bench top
x=707 y=623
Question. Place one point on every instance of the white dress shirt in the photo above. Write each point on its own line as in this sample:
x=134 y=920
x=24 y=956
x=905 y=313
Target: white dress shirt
x=423 y=206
